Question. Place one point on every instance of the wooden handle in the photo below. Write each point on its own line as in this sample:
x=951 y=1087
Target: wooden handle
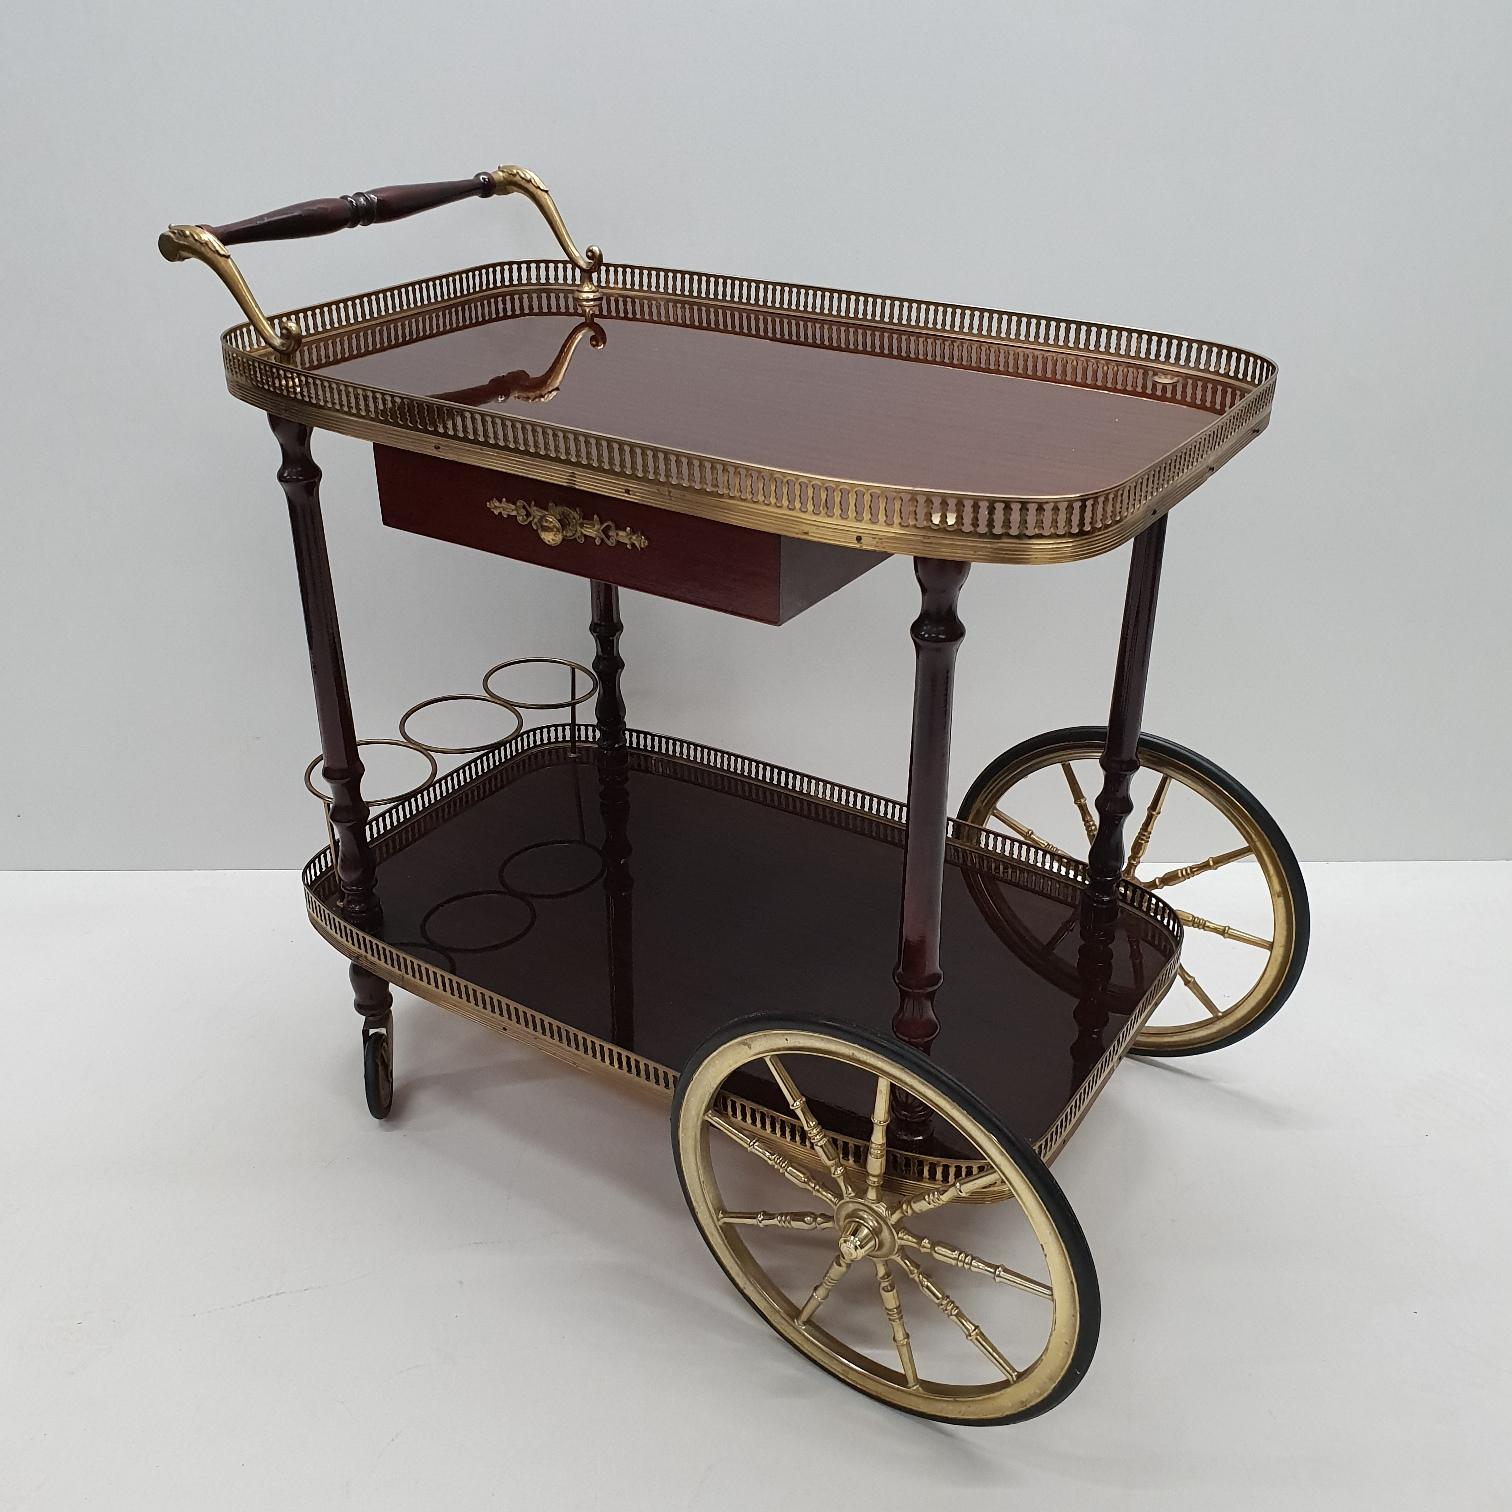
x=319 y=217
x=368 y=207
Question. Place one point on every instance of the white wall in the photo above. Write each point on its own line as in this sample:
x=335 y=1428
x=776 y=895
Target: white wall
x=1324 y=183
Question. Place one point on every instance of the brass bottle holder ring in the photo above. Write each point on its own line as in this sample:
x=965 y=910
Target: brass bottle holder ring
x=543 y=847
x=468 y=750
x=482 y=892
x=372 y=803
x=543 y=894
x=573 y=699
x=404 y=797
x=430 y=751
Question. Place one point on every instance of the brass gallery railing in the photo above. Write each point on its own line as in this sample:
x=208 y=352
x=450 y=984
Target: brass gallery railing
x=1234 y=385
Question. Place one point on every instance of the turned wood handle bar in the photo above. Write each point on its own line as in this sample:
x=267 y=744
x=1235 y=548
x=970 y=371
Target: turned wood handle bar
x=368 y=207
x=319 y=217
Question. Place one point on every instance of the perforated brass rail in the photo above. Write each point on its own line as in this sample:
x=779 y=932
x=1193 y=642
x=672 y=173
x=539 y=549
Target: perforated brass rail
x=1235 y=385
x=817 y=798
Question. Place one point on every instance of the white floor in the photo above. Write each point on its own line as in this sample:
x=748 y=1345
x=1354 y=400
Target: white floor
x=222 y=1285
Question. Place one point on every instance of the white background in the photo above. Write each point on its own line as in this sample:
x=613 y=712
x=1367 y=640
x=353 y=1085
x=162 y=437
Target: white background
x=220 y=1284
x=225 y=1287
x=1323 y=183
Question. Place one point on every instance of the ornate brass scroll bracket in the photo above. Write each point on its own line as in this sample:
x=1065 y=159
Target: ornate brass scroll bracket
x=510 y=179
x=562 y=523
x=180 y=242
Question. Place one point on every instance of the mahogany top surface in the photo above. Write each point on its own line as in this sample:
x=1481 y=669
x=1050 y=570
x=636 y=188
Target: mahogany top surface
x=780 y=404
x=861 y=420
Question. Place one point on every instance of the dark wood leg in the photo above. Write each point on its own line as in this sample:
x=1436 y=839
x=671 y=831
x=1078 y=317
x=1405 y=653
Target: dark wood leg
x=937 y=636
x=614 y=806
x=341 y=764
x=608 y=665
x=1094 y=967
x=1120 y=758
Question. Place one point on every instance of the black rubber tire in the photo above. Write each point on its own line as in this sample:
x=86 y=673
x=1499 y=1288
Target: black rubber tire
x=378 y=1073
x=1155 y=746
x=1035 y=1171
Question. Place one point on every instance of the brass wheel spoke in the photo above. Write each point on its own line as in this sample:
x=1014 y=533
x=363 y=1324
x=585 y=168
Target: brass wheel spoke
x=965 y=1186
x=1079 y=798
x=827 y=1283
x=1194 y=921
x=1193 y=986
x=952 y=1311
x=1142 y=839
x=763 y=1219
x=892 y=1305
x=811 y=1128
x=779 y=1163
x=1186 y=873
x=1025 y=833
x=965 y=1260
x=876 y=1149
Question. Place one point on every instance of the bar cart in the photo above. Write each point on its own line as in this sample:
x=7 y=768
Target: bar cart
x=892 y=1016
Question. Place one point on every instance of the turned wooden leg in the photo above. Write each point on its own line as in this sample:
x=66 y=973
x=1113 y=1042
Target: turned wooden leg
x=614 y=807
x=937 y=636
x=1120 y=757
x=1094 y=970
x=608 y=665
x=341 y=764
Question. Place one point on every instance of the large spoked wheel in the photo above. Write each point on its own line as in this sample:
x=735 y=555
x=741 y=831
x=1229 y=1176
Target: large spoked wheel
x=974 y=1302
x=1240 y=896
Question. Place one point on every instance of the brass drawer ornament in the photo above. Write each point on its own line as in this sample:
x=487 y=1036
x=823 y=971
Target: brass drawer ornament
x=561 y=522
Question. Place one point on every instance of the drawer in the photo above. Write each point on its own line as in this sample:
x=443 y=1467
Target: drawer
x=751 y=573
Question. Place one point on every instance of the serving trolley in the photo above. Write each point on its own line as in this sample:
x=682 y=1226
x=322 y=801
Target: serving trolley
x=877 y=1024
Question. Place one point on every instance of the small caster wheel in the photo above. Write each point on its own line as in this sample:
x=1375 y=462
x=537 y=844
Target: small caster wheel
x=378 y=1067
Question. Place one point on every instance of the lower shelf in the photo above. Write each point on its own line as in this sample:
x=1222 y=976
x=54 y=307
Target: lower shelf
x=639 y=899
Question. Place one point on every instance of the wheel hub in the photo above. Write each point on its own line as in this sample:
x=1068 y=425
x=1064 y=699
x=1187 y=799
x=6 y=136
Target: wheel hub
x=864 y=1230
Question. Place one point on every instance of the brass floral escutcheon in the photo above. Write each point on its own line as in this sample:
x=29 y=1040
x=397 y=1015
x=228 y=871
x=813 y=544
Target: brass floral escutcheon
x=563 y=523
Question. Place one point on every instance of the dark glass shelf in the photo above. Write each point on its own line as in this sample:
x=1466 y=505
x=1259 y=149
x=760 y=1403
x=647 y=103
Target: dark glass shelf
x=650 y=897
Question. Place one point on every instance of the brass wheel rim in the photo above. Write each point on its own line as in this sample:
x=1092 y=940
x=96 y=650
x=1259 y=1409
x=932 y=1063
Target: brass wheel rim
x=1209 y=1023
x=871 y=1224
